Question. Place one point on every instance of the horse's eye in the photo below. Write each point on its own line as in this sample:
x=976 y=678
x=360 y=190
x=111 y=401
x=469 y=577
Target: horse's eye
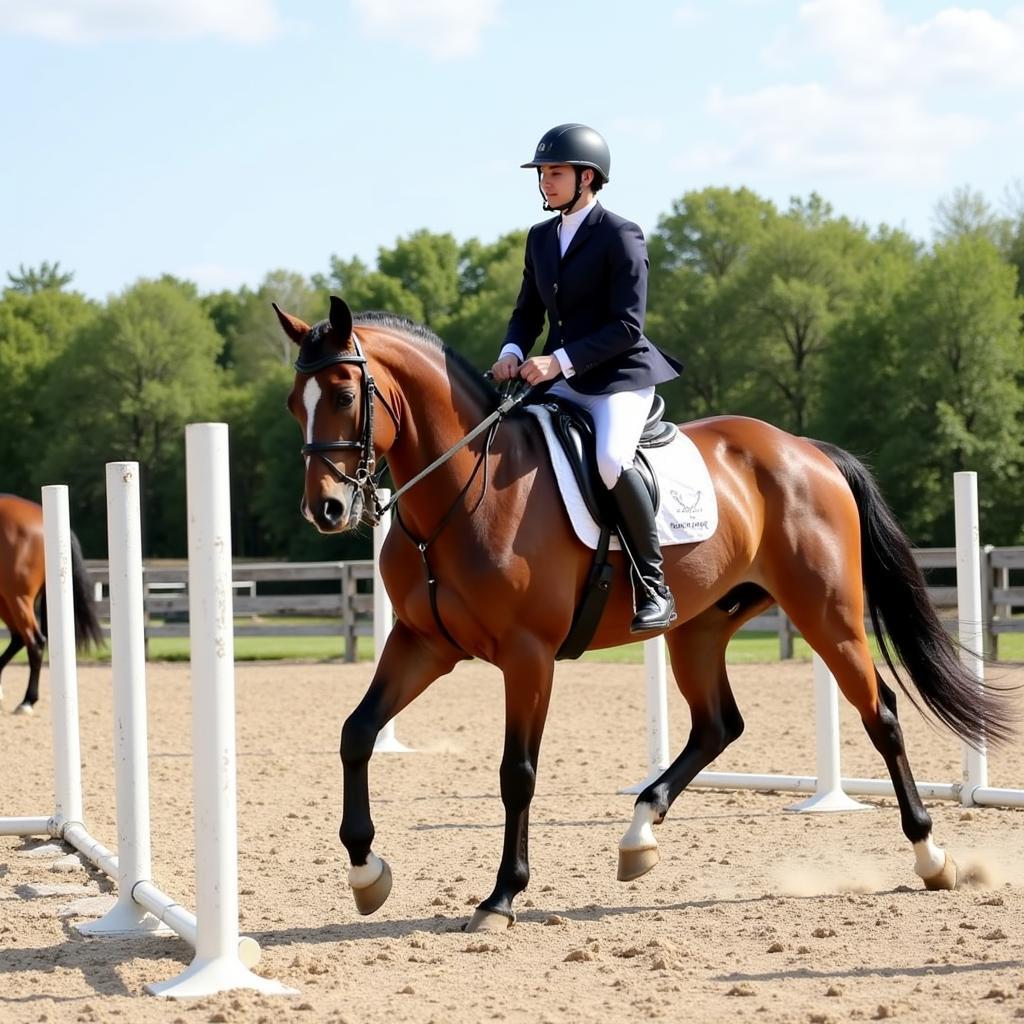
x=346 y=399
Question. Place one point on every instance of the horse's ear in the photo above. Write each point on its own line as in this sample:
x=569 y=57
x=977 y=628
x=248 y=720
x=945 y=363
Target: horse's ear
x=295 y=328
x=341 y=319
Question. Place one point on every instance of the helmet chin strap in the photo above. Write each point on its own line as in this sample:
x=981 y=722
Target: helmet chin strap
x=572 y=202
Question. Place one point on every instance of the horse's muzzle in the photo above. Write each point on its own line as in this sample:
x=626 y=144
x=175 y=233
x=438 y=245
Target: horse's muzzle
x=335 y=514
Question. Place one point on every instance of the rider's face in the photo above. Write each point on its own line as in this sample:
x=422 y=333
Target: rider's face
x=558 y=182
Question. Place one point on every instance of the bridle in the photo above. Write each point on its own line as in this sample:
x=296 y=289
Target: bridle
x=367 y=477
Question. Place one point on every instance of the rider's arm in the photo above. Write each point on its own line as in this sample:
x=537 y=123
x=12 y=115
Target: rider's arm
x=527 y=320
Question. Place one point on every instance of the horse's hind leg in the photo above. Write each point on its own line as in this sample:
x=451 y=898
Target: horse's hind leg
x=834 y=627
x=12 y=649
x=34 y=649
x=697 y=652
x=408 y=665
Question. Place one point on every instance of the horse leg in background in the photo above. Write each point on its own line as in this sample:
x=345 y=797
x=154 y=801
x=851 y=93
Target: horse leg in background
x=34 y=649
x=697 y=652
x=408 y=665
x=13 y=647
x=528 y=675
x=834 y=627
x=25 y=631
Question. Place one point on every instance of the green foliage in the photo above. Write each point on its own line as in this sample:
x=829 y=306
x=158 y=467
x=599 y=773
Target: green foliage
x=46 y=277
x=142 y=369
x=910 y=356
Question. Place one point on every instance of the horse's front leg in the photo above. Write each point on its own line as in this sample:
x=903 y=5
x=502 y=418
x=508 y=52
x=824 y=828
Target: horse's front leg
x=408 y=665
x=527 y=693
x=12 y=649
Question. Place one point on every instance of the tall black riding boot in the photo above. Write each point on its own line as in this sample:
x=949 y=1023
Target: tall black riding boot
x=655 y=608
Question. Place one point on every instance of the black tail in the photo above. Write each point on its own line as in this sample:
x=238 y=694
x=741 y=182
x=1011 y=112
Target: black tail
x=903 y=616
x=88 y=631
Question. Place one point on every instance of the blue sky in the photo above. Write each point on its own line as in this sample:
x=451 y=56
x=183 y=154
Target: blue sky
x=222 y=139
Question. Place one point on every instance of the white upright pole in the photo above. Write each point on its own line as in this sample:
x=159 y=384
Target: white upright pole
x=387 y=742
x=828 y=793
x=217 y=966
x=969 y=611
x=656 y=709
x=60 y=611
x=128 y=662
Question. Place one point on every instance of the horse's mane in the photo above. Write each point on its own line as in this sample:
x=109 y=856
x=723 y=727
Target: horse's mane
x=419 y=334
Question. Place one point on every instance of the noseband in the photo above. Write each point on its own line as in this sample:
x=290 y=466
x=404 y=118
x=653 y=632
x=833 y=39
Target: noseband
x=366 y=481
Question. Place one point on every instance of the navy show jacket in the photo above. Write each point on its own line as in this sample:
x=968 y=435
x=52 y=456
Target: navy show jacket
x=595 y=298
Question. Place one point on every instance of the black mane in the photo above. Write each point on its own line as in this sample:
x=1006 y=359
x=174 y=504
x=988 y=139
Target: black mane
x=455 y=362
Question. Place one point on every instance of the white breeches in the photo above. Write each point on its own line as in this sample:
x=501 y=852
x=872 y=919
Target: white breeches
x=619 y=420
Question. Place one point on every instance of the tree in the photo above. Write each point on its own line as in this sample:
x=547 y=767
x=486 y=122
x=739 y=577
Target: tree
x=697 y=254
x=803 y=277
x=47 y=277
x=35 y=331
x=959 y=359
x=143 y=368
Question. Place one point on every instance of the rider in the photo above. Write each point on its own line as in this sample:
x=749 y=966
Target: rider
x=587 y=269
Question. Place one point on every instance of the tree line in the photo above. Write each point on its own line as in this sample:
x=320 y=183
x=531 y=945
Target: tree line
x=909 y=355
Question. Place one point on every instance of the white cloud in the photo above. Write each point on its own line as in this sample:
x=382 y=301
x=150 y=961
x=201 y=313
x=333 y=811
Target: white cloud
x=82 y=21
x=810 y=130
x=443 y=28
x=687 y=15
x=215 y=277
x=953 y=47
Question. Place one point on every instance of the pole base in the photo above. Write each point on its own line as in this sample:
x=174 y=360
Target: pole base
x=831 y=801
x=208 y=977
x=123 y=918
x=385 y=744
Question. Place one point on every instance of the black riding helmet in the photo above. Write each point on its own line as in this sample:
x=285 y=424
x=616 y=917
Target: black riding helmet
x=578 y=146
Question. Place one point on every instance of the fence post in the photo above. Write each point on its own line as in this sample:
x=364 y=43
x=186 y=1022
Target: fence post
x=785 y=636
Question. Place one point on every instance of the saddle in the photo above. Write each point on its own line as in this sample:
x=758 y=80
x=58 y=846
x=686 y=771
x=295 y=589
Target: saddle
x=574 y=429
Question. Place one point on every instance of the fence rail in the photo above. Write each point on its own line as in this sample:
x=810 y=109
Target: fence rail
x=342 y=593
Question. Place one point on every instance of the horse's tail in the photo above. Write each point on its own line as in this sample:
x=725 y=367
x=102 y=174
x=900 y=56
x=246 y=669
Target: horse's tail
x=903 y=616
x=88 y=631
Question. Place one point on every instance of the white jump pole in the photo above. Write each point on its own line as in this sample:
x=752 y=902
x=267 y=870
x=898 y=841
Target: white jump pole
x=128 y=662
x=67 y=761
x=217 y=965
x=656 y=704
x=387 y=742
x=60 y=610
x=828 y=795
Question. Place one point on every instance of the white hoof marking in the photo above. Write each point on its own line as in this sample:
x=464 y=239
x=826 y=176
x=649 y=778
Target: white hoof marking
x=640 y=834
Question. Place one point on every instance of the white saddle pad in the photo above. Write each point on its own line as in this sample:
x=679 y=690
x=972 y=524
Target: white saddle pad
x=688 y=510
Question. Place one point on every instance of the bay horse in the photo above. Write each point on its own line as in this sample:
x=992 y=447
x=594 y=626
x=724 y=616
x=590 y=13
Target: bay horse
x=483 y=563
x=22 y=582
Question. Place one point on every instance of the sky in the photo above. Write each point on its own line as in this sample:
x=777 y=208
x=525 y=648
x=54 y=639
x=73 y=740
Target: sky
x=219 y=140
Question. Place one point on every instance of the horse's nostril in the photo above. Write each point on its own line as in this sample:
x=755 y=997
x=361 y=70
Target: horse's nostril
x=333 y=510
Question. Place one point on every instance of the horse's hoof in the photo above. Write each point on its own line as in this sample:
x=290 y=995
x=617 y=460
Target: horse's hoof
x=489 y=921
x=944 y=879
x=371 y=897
x=634 y=863
x=24 y=709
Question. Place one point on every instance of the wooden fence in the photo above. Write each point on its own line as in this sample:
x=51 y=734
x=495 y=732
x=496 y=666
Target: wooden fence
x=336 y=598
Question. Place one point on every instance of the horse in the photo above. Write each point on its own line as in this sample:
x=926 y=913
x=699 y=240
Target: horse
x=22 y=582
x=482 y=562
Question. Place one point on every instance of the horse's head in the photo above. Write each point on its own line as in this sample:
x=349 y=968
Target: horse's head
x=333 y=400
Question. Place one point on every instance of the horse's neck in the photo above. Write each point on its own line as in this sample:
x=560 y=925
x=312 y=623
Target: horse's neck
x=437 y=411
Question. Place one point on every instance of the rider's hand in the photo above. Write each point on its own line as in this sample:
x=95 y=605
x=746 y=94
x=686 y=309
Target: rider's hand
x=538 y=369
x=505 y=368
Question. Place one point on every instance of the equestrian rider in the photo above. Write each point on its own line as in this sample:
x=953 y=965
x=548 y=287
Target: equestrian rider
x=586 y=269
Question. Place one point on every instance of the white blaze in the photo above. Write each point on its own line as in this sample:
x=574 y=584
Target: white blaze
x=310 y=399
